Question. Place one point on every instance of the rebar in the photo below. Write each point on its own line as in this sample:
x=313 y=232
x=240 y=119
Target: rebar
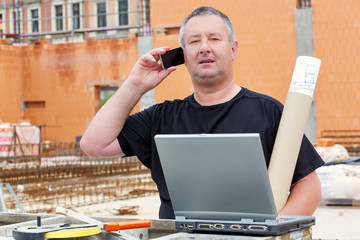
x=43 y=182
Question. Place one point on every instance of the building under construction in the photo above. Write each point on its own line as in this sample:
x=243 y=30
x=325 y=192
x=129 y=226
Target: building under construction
x=60 y=59
x=62 y=85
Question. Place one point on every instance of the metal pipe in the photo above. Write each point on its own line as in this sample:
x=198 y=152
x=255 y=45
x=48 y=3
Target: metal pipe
x=14 y=18
x=4 y=17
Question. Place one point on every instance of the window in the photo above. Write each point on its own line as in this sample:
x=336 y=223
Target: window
x=34 y=104
x=106 y=92
x=101 y=14
x=303 y=3
x=123 y=12
x=59 y=17
x=102 y=94
x=76 y=15
x=34 y=20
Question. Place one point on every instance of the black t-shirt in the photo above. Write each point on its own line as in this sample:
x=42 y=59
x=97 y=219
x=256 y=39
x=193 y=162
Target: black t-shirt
x=247 y=112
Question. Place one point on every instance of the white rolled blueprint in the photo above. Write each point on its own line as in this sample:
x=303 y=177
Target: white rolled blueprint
x=292 y=126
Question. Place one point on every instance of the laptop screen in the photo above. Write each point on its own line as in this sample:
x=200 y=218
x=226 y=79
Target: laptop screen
x=216 y=176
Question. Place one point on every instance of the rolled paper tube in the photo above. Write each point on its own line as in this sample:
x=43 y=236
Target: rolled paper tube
x=291 y=128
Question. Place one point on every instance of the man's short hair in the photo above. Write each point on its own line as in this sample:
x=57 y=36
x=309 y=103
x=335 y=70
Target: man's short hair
x=203 y=11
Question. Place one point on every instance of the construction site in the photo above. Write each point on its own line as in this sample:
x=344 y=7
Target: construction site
x=60 y=61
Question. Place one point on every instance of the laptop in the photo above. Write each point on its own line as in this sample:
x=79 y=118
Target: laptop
x=219 y=183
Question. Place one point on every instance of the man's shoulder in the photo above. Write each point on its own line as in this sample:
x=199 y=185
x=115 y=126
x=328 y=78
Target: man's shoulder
x=252 y=94
x=168 y=106
x=174 y=102
x=265 y=99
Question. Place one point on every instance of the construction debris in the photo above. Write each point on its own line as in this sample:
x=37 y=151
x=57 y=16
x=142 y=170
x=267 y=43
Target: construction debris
x=127 y=210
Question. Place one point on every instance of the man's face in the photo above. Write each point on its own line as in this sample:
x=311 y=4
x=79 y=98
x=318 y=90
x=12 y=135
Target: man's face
x=208 y=52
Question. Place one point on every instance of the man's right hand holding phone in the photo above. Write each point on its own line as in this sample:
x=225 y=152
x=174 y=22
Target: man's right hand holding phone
x=148 y=72
x=100 y=137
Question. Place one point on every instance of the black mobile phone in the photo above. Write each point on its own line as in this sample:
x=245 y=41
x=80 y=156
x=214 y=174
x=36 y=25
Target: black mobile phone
x=172 y=57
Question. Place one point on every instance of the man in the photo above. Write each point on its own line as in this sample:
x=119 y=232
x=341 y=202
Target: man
x=218 y=105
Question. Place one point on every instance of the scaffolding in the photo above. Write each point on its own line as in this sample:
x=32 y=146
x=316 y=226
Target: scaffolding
x=59 y=21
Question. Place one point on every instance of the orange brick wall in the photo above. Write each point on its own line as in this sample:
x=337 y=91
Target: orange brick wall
x=64 y=76
x=60 y=74
x=267 y=51
x=336 y=43
x=11 y=83
x=267 y=43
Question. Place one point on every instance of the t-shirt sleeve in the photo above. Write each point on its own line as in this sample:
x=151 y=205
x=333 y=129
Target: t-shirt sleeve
x=135 y=137
x=308 y=160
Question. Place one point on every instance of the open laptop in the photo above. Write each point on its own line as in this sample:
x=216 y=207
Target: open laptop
x=219 y=183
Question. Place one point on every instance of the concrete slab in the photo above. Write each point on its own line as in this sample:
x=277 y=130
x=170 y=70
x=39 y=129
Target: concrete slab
x=337 y=223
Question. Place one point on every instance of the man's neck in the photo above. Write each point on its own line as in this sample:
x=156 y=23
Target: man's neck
x=208 y=98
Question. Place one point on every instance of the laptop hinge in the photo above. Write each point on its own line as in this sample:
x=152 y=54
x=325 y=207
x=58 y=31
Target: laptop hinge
x=247 y=220
x=271 y=221
x=180 y=218
x=250 y=220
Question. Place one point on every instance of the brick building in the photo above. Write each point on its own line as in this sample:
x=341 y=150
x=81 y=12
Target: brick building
x=61 y=21
x=61 y=85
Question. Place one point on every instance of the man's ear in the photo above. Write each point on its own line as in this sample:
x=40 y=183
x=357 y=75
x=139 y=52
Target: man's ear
x=234 y=49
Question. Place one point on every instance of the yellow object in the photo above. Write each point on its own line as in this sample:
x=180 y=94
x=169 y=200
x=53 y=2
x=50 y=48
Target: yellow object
x=73 y=232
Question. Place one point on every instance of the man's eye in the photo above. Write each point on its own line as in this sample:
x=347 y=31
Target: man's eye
x=194 y=41
x=215 y=39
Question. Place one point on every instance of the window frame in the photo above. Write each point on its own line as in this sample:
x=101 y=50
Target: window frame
x=59 y=19
x=102 y=17
x=70 y=14
x=122 y=12
x=31 y=19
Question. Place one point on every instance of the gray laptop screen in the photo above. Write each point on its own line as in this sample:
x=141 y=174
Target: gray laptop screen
x=216 y=176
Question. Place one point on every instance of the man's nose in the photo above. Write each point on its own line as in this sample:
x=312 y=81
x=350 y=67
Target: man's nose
x=204 y=47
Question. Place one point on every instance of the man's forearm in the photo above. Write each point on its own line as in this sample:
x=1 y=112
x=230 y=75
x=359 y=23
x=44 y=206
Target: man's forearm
x=100 y=136
x=304 y=198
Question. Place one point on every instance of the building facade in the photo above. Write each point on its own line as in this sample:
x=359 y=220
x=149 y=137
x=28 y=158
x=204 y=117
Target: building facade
x=60 y=21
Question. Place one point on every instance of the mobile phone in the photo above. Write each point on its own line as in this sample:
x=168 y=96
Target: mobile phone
x=172 y=57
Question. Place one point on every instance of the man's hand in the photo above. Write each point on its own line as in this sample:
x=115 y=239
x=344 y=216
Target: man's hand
x=148 y=72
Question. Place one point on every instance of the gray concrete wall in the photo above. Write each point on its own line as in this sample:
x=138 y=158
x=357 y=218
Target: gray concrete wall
x=145 y=44
x=305 y=47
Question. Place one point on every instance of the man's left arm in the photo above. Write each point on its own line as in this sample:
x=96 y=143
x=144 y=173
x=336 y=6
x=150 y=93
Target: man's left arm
x=305 y=196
